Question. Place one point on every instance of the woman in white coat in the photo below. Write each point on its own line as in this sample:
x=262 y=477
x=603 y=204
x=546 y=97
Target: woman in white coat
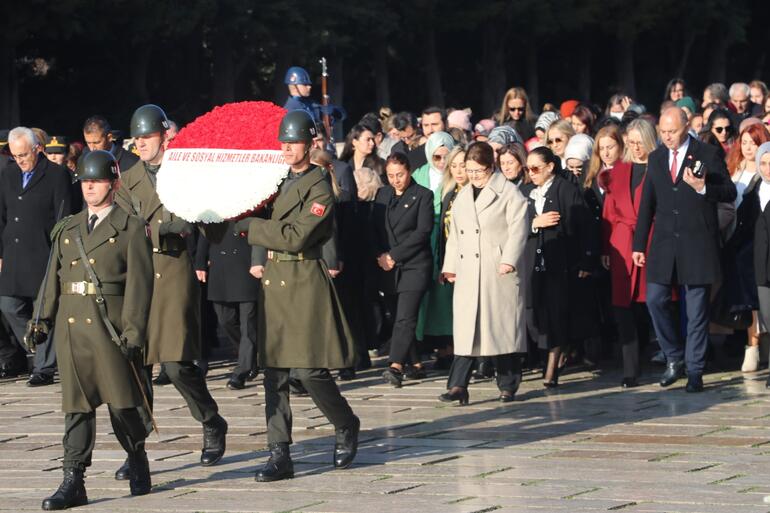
x=486 y=242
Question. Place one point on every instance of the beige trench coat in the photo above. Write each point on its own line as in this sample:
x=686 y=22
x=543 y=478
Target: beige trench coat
x=488 y=308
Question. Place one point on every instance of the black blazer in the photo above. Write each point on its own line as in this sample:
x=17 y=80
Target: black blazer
x=685 y=242
x=26 y=219
x=403 y=229
x=228 y=262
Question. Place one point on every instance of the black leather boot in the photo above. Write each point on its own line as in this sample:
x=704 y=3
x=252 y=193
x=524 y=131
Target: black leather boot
x=278 y=467
x=71 y=492
x=140 y=482
x=214 y=434
x=346 y=445
x=124 y=472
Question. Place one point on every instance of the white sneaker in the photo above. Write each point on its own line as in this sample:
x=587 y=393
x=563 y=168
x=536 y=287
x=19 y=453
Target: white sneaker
x=751 y=359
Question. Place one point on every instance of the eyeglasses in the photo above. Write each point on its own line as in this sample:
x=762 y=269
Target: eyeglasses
x=439 y=158
x=575 y=169
x=480 y=171
x=537 y=169
x=516 y=109
x=720 y=129
x=555 y=140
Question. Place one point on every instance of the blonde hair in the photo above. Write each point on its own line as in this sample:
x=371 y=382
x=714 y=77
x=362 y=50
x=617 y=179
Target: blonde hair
x=368 y=182
x=448 y=183
x=649 y=136
x=512 y=94
x=611 y=131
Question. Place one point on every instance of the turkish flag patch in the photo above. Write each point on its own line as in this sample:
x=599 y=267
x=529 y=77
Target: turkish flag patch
x=317 y=209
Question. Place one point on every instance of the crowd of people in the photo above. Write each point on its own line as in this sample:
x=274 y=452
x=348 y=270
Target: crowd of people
x=523 y=240
x=431 y=276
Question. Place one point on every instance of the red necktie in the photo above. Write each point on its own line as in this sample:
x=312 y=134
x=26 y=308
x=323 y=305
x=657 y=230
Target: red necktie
x=674 y=167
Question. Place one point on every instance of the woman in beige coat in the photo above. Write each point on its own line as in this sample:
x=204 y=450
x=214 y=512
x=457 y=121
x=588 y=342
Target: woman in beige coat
x=486 y=241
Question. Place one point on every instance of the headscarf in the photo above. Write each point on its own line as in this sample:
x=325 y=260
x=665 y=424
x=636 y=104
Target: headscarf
x=579 y=147
x=688 y=103
x=763 y=148
x=436 y=141
x=504 y=135
x=545 y=120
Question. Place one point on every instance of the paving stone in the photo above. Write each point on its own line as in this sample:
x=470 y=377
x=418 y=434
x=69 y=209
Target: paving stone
x=588 y=446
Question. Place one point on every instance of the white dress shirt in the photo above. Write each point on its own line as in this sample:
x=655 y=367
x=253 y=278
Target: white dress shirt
x=101 y=215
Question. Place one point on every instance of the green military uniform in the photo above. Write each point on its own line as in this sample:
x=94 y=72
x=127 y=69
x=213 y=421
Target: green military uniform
x=174 y=329
x=174 y=325
x=92 y=368
x=301 y=323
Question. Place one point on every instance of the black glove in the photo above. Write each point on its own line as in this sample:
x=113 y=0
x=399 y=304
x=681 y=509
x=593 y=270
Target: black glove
x=36 y=334
x=131 y=352
x=242 y=226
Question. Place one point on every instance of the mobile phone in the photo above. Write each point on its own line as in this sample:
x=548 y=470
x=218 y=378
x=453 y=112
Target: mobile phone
x=698 y=170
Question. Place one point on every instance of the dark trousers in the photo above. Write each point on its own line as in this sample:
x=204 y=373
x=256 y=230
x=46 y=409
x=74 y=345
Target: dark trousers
x=508 y=368
x=191 y=384
x=664 y=320
x=17 y=311
x=239 y=322
x=633 y=328
x=80 y=434
x=406 y=306
x=322 y=389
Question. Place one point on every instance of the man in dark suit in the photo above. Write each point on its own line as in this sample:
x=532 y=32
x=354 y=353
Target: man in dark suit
x=230 y=270
x=34 y=194
x=403 y=222
x=684 y=250
x=98 y=136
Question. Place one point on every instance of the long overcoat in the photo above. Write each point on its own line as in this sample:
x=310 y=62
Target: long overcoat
x=556 y=255
x=93 y=371
x=301 y=323
x=27 y=216
x=174 y=325
x=488 y=307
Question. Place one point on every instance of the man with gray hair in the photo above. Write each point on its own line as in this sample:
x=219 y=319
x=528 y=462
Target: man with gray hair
x=34 y=195
x=740 y=97
x=715 y=93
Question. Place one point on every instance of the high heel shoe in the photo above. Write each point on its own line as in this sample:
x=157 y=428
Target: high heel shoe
x=449 y=397
x=554 y=381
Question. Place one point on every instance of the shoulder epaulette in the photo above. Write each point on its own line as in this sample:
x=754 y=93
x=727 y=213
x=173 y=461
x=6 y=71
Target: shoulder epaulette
x=58 y=227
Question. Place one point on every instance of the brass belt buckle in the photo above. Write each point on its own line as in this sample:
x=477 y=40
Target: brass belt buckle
x=80 y=287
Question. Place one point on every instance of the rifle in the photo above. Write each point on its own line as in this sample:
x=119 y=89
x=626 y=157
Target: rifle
x=325 y=102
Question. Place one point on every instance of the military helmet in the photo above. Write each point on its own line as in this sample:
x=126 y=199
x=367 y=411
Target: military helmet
x=148 y=119
x=297 y=126
x=297 y=76
x=98 y=165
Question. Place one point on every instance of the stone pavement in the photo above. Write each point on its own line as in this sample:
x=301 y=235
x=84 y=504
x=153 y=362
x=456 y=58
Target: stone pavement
x=586 y=447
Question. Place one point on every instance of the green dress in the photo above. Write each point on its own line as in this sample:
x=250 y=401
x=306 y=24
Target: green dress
x=435 y=317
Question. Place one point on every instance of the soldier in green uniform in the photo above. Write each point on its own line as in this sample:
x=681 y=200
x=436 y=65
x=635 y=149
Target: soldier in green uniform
x=100 y=273
x=301 y=324
x=173 y=330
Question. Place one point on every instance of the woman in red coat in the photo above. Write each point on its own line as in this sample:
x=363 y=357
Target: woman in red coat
x=621 y=204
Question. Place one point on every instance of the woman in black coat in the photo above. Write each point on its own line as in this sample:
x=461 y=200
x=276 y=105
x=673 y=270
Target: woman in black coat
x=762 y=234
x=561 y=251
x=403 y=222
